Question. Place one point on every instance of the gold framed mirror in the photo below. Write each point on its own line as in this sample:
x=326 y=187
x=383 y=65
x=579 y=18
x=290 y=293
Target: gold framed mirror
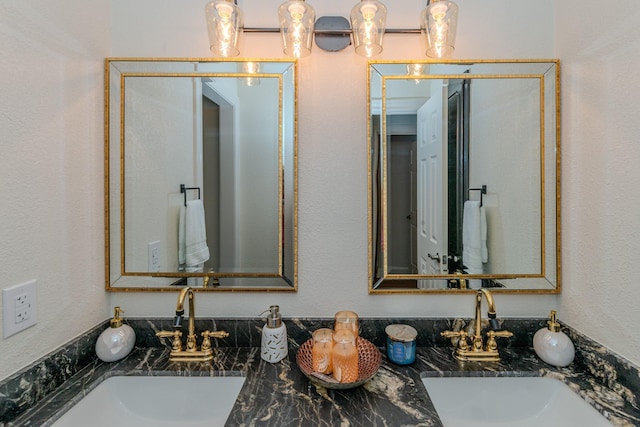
x=464 y=182
x=200 y=174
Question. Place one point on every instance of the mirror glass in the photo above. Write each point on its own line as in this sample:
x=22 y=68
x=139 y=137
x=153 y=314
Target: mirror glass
x=463 y=176
x=201 y=179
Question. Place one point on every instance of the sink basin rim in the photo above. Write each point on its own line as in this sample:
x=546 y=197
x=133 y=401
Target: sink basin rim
x=551 y=401
x=153 y=401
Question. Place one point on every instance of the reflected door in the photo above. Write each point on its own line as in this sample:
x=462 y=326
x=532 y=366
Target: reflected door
x=432 y=215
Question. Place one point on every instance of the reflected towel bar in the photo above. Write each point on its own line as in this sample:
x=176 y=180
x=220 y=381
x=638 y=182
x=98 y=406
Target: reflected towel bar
x=183 y=189
x=482 y=190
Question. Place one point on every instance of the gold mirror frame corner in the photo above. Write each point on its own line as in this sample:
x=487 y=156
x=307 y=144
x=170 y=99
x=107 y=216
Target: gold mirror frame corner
x=373 y=282
x=290 y=284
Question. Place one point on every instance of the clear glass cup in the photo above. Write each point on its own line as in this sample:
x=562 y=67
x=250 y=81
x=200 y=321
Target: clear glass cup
x=345 y=356
x=346 y=320
x=321 y=352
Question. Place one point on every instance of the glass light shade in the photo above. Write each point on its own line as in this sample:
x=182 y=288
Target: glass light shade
x=297 y=20
x=368 y=19
x=417 y=70
x=224 y=24
x=251 y=68
x=438 y=23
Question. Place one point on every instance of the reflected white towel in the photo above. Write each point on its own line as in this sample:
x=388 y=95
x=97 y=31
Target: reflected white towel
x=472 y=241
x=181 y=237
x=483 y=235
x=194 y=235
x=195 y=269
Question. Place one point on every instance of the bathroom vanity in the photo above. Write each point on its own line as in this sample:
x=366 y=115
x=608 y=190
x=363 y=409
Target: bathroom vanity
x=280 y=395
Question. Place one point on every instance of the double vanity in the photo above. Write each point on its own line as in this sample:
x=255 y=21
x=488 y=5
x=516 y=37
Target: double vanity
x=280 y=395
x=230 y=384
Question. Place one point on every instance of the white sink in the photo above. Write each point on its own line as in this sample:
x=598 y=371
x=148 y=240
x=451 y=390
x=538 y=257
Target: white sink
x=509 y=401
x=156 y=401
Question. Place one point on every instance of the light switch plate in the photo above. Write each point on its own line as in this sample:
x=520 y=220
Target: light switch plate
x=19 y=308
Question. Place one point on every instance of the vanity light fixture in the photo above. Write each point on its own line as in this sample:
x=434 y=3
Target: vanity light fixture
x=224 y=24
x=368 y=19
x=298 y=27
x=439 y=22
x=297 y=20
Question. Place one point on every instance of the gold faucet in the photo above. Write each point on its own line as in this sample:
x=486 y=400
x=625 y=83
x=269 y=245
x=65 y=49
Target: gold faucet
x=477 y=351
x=210 y=280
x=190 y=352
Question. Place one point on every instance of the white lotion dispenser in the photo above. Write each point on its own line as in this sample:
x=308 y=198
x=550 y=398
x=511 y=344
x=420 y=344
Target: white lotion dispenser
x=274 y=337
x=117 y=341
x=552 y=345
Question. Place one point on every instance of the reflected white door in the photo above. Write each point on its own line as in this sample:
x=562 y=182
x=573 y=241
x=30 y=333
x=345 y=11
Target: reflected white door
x=432 y=211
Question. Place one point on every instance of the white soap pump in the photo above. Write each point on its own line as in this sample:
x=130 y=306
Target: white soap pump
x=552 y=345
x=117 y=341
x=274 y=337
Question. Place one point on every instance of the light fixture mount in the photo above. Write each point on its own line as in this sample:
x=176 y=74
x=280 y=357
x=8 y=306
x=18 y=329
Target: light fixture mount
x=333 y=33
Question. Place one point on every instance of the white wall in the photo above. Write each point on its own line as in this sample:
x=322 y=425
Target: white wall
x=163 y=125
x=505 y=128
x=601 y=150
x=51 y=163
x=51 y=167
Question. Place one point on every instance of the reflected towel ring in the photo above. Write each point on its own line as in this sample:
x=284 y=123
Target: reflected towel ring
x=183 y=189
x=482 y=190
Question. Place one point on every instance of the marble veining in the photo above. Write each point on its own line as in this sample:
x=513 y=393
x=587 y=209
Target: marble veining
x=280 y=395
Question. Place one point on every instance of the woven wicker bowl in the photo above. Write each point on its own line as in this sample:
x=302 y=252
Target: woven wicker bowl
x=369 y=359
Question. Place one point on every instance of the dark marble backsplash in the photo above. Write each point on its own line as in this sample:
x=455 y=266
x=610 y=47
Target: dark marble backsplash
x=247 y=332
x=31 y=384
x=34 y=382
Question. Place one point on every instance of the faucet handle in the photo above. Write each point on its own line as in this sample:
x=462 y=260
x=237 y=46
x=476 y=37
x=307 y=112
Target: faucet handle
x=176 y=344
x=461 y=335
x=215 y=334
x=492 y=335
x=207 y=335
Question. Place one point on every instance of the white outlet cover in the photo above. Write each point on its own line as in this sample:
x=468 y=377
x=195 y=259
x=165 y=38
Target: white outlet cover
x=154 y=256
x=9 y=296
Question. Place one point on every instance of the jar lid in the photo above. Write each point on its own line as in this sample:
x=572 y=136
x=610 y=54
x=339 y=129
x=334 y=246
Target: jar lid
x=404 y=333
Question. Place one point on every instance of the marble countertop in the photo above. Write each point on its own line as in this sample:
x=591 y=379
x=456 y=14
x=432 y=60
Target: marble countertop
x=280 y=395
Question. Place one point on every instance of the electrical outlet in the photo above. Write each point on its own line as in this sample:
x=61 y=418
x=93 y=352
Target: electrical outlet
x=154 y=256
x=19 y=308
x=22 y=314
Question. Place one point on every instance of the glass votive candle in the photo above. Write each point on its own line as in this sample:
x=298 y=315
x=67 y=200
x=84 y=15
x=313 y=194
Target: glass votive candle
x=345 y=356
x=346 y=320
x=321 y=352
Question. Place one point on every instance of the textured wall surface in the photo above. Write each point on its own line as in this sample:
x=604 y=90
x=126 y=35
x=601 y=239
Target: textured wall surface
x=51 y=167
x=51 y=122
x=600 y=128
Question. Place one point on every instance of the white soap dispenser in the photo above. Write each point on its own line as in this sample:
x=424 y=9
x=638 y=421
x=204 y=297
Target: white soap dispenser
x=117 y=341
x=274 y=337
x=552 y=345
